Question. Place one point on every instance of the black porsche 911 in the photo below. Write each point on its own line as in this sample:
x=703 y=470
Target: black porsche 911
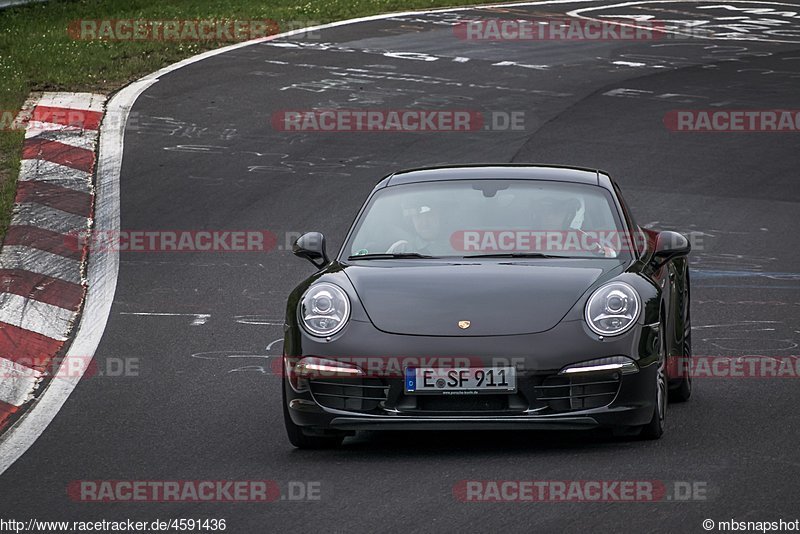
x=488 y=297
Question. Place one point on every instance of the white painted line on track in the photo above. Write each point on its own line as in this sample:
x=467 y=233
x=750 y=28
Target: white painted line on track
x=198 y=319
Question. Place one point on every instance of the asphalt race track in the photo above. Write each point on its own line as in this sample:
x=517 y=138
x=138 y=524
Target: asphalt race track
x=201 y=153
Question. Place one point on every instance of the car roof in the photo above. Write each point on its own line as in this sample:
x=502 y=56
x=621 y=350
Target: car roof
x=560 y=173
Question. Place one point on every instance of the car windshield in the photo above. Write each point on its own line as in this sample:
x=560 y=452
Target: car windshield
x=488 y=218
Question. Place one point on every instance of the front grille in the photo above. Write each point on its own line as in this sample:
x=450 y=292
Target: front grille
x=567 y=393
x=350 y=394
x=477 y=404
x=548 y=394
x=462 y=403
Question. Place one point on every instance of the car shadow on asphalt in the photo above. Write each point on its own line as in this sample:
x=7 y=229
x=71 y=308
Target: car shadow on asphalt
x=487 y=442
x=479 y=442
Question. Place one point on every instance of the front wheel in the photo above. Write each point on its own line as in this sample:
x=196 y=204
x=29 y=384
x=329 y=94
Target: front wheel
x=655 y=428
x=683 y=391
x=300 y=439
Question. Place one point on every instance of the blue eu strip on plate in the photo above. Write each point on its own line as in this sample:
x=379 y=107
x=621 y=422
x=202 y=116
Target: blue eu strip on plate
x=411 y=379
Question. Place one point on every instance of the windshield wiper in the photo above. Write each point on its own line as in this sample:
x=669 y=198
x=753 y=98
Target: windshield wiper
x=389 y=256
x=515 y=255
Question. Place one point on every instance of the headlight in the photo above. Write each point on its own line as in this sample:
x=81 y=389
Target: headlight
x=324 y=309
x=612 y=309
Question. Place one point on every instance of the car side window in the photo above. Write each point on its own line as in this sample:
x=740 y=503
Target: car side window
x=639 y=243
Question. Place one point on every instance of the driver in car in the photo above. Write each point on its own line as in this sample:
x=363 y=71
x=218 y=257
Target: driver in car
x=428 y=237
x=560 y=216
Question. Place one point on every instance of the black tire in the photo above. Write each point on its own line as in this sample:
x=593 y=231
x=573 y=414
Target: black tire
x=300 y=439
x=655 y=428
x=683 y=392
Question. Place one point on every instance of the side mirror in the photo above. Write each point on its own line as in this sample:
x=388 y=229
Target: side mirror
x=670 y=245
x=311 y=246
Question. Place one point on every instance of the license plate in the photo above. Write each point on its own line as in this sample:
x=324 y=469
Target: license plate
x=460 y=380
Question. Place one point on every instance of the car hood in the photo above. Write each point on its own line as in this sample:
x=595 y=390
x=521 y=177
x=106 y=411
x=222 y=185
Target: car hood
x=497 y=298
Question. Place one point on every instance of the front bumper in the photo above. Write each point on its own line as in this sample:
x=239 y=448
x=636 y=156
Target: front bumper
x=319 y=418
x=462 y=423
x=544 y=400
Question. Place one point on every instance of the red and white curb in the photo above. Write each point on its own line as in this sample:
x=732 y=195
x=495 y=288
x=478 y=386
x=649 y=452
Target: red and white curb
x=41 y=282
